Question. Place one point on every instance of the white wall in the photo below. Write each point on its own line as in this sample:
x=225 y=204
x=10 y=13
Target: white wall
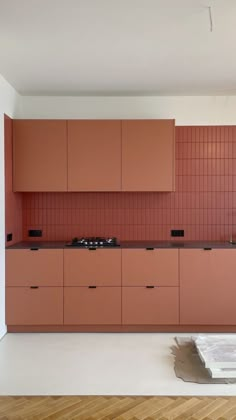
x=8 y=101
x=187 y=110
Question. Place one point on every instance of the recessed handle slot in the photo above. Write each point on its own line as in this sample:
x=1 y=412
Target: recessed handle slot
x=92 y=287
x=92 y=249
x=34 y=287
x=149 y=249
x=34 y=249
x=207 y=249
x=150 y=287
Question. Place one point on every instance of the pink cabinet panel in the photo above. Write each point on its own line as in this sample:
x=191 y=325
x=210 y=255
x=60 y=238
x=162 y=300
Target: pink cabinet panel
x=94 y=155
x=207 y=287
x=158 y=267
x=43 y=267
x=41 y=306
x=148 y=155
x=156 y=306
x=40 y=155
x=100 y=267
x=92 y=306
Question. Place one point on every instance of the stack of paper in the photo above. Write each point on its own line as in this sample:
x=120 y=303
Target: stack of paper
x=218 y=353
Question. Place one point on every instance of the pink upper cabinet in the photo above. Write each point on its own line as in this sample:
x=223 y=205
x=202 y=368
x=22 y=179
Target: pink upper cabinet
x=94 y=155
x=40 y=155
x=207 y=287
x=148 y=155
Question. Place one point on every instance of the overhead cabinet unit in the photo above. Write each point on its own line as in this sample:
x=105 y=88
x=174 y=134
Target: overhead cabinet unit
x=93 y=155
x=39 y=155
x=148 y=155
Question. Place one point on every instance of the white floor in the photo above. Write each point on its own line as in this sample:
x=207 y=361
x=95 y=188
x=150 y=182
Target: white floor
x=94 y=364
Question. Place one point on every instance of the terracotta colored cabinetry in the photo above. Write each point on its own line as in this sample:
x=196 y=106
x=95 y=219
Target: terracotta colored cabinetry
x=92 y=292
x=157 y=267
x=30 y=306
x=34 y=292
x=151 y=306
x=100 y=267
x=150 y=292
x=92 y=305
x=94 y=155
x=42 y=267
x=207 y=287
x=39 y=155
x=148 y=155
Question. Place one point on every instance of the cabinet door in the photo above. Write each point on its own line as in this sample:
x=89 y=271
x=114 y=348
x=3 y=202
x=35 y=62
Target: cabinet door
x=158 y=267
x=100 y=267
x=148 y=155
x=27 y=306
x=207 y=287
x=156 y=306
x=94 y=155
x=92 y=306
x=39 y=155
x=43 y=267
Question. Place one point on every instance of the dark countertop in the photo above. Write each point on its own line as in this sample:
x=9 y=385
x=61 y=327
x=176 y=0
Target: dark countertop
x=130 y=244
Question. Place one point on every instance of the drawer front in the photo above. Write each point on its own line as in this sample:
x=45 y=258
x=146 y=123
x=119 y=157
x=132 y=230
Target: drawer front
x=100 y=267
x=158 y=267
x=43 y=267
x=156 y=306
x=92 y=306
x=41 y=306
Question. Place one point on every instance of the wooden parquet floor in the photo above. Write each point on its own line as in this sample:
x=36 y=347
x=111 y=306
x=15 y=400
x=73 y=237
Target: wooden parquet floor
x=118 y=408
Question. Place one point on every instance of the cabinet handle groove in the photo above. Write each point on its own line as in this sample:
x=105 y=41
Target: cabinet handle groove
x=34 y=249
x=150 y=287
x=92 y=287
x=149 y=249
x=207 y=249
x=34 y=287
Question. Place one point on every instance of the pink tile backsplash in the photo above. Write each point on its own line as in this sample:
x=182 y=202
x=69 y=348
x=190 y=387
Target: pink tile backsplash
x=204 y=203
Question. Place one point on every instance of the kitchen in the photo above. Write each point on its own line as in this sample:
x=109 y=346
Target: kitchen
x=200 y=205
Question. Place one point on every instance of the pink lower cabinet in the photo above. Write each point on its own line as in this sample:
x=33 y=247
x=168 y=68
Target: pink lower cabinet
x=150 y=305
x=207 y=287
x=156 y=267
x=34 y=305
x=34 y=267
x=92 y=305
x=98 y=267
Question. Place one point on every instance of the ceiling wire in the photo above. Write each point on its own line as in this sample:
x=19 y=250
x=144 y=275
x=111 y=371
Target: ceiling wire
x=210 y=18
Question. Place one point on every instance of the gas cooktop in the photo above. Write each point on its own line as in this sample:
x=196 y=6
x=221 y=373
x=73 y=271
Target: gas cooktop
x=93 y=242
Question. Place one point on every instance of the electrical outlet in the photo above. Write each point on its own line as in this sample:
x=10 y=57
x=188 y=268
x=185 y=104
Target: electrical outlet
x=9 y=237
x=176 y=232
x=35 y=233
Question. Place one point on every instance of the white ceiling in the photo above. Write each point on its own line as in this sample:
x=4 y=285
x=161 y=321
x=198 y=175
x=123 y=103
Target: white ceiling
x=118 y=47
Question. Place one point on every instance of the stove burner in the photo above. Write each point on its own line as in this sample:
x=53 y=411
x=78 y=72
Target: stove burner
x=93 y=242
